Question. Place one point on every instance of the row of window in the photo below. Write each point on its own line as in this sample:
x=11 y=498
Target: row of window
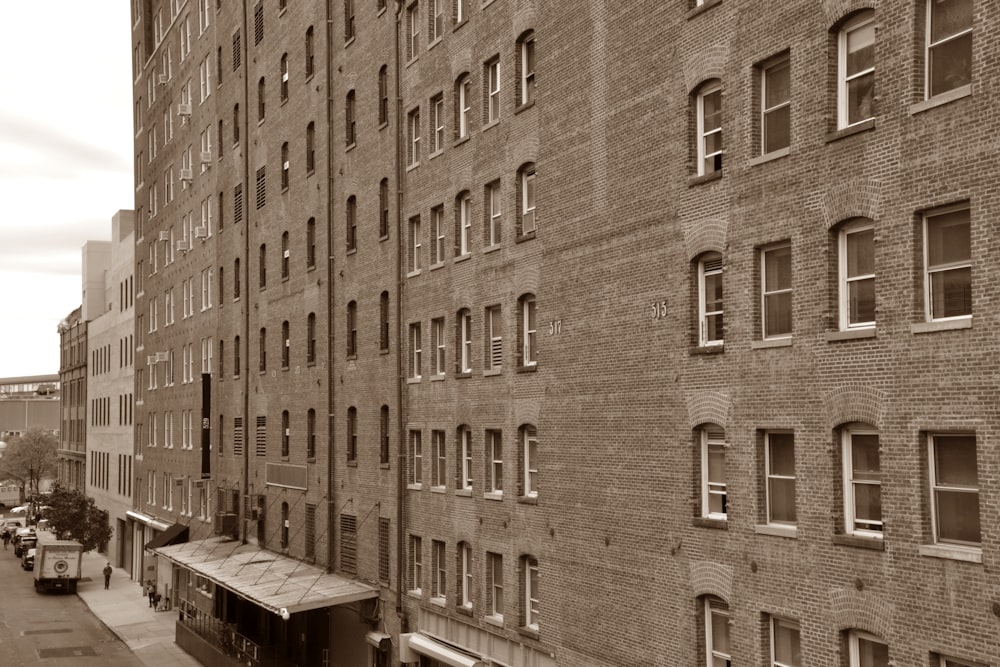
x=100 y=410
x=946 y=276
x=192 y=494
x=187 y=422
x=165 y=360
x=951 y=478
x=782 y=637
x=461 y=567
x=946 y=28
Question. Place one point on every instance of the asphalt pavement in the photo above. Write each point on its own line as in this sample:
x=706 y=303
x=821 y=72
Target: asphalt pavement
x=124 y=610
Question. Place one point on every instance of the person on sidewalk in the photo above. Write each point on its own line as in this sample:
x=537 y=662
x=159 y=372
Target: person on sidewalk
x=107 y=576
x=151 y=593
x=6 y=538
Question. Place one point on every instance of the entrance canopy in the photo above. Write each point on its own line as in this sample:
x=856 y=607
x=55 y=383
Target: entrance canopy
x=270 y=580
x=172 y=535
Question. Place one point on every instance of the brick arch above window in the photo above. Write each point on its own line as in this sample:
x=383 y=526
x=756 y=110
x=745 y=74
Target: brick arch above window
x=461 y=63
x=526 y=281
x=701 y=236
x=704 y=65
x=708 y=407
x=836 y=11
x=709 y=578
x=525 y=18
x=856 y=198
x=853 y=609
x=526 y=411
x=855 y=402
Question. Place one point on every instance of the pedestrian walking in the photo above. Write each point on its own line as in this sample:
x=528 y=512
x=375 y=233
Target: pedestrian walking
x=6 y=538
x=107 y=576
x=150 y=592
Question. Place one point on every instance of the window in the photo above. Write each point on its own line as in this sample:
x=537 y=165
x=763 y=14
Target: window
x=464 y=341
x=310 y=147
x=383 y=428
x=862 y=481
x=205 y=74
x=438 y=341
x=948 y=262
x=463 y=105
x=285 y=433
x=494 y=461
x=785 y=648
x=527 y=69
x=437 y=232
x=310 y=52
x=494 y=337
x=236 y=278
x=465 y=576
x=286 y=345
x=383 y=95
x=262 y=266
x=954 y=483
x=439 y=464
x=351 y=223
x=463 y=215
x=494 y=586
x=311 y=243
x=236 y=357
x=529 y=458
x=311 y=434
x=709 y=133
x=865 y=650
x=938 y=660
x=311 y=339
x=415 y=244
x=412 y=30
x=416 y=564
x=262 y=350
x=284 y=166
x=348 y=20
x=493 y=214
x=349 y=124
x=492 y=78
x=526 y=185
x=260 y=100
x=439 y=571
x=237 y=49
x=352 y=329
x=204 y=15
x=710 y=311
x=461 y=11
x=775 y=96
x=352 y=433
x=776 y=284
x=857 y=275
x=856 y=71
x=437 y=124
x=236 y=124
x=416 y=459
x=528 y=330
x=949 y=45
x=383 y=208
x=414 y=137
x=529 y=587
x=383 y=321
x=712 y=447
x=465 y=458
x=285 y=259
x=780 y=477
x=284 y=77
x=716 y=625
x=415 y=350
x=258 y=23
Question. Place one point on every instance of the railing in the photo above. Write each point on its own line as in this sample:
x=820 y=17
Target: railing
x=220 y=634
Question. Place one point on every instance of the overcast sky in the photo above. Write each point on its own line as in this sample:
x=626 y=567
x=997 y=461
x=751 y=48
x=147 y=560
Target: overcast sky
x=65 y=162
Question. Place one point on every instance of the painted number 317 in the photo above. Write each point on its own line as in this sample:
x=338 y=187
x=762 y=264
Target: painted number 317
x=659 y=310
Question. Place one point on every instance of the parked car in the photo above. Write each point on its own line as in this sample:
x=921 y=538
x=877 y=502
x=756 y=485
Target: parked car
x=28 y=559
x=24 y=539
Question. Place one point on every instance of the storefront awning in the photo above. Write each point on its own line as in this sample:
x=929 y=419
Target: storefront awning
x=173 y=535
x=415 y=642
x=267 y=579
x=147 y=520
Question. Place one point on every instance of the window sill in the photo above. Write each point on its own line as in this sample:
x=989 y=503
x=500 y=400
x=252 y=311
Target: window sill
x=492 y=372
x=532 y=368
x=702 y=8
x=493 y=495
x=967 y=554
x=435 y=42
x=706 y=522
x=415 y=487
x=491 y=124
x=521 y=238
x=777 y=530
x=860 y=541
x=704 y=178
x=412 y=166
x=461 y=140
x=383 y=124
x=528 y=500
x=311 y=459
x=436 y=265
x=522 y=107
x=850 y=130
x=463 y=374
x=438 y=489
x=437 y=378
x=463 y=493
x=941 y=325
x=850 y=334
x=412 y=274
x=943 y=98
x=494 y=619
x=351 y=251
x=352 y=463
x=416 y=594
x=383 y=466
x=438 y=602
x=462 y=609
x=491 y=248
x=433 y=155
x=531 y=633
x=412 y=380
x=350 y=147
x=771 y=342
x=708 y=349
x=462 y=258
x=773 y=155
x=349 y=41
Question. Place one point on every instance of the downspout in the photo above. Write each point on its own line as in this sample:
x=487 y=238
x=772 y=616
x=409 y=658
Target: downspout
x=330 y=455
x=245 y=355
x=400 y=380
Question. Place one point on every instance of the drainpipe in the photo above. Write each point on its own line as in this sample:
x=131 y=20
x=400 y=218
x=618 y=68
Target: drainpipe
x=400 y=380
x=245 y=356
x=331 y=454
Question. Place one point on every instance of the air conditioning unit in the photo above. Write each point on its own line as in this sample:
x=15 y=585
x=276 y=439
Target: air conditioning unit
x=164 y=235
x=163 y=356
x=199 y=482
x=225 y=523
x=528 y=222
x=179 y=481
x=163 y=79
x=151 y=360
x=206 y=157
x=184 y=109
x=200 y=232
x=187 y=175
x=183 y=245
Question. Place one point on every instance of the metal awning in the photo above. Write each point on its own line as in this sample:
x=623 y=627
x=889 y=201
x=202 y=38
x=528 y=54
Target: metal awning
x=269 y=580
x=411 y=643
x=173 y=535
x=146 y=520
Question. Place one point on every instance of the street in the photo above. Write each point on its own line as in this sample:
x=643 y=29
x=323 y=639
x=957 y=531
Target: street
x=40 y=629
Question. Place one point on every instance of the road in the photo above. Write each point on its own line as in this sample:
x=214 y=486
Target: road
x=53 y=630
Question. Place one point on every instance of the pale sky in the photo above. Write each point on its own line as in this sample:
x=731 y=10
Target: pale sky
x=65 y=162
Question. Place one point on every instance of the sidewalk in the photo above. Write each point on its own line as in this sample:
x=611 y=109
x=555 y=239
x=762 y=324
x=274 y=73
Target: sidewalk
x=125 y=611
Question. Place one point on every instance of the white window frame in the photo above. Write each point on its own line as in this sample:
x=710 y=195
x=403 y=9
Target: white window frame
x=854 y=639
x=464 y=106
x=766 y=74
x=465 y=445
x=530 y=596
x=494 y=332
x=712 y=436
x=494 y=565
x=465 y=333
x=414 y=128
x=204 y=15
x=465 y=560
x=493 y=90
x=416 y=447
x=439 y=342
x=436 y=23
x=937 y=488
x=773 y=476
x=416 y=565
x=703 y=134
x=845 y=280
x=494 y=454
x=413 y=36
x=715 y=653
x=527 y=73
x=709 y=265
x=776 y=624
x=415 y=245
x=946 y=267
x=465 y=224
x=437 y=226
x=437 y=122
x=496 y=212
x=768 y=291
x=864 y=22
x=529 y=449
x=439 y=571
x=415 y=350
x=205 y=78
x=439 y=470
x=529 y=331
x=930 y=45
x=528 y=221
x=852 y=526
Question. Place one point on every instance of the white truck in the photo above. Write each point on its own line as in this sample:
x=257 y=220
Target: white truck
x=57 y=565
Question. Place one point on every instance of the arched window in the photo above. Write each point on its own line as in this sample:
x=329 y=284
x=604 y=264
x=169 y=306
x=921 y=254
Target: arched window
x=311 y=339
x=383 y=321
x=262 y=266
x=286 y=433
x=383 y=95
x=262 y=350
x=286 y=344
x=528 y=436
x=463 y=343
x=352 y=433
x=712 y=457
x=260 y=99
x=526 y=68
x=527 y=330
x=352 y=329
x=463 y=105
x=383 y=429
x=284 y=166
x=710 y=304
x=383 y=208
x=708 y=120
x=310 y=52
x=529 y=592
x=526 y=199
x=351 y=220
x=284 y=77
x=310 y=147
x=284 y=256
x=349 y=125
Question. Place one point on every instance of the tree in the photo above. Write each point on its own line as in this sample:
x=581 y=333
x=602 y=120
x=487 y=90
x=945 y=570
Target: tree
x=74 y=513
x=29 y=458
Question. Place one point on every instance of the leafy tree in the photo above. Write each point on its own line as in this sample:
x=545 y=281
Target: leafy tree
x=29 y=458
x=75 y=514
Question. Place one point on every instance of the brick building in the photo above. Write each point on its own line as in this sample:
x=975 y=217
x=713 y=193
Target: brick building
x=720 y=399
